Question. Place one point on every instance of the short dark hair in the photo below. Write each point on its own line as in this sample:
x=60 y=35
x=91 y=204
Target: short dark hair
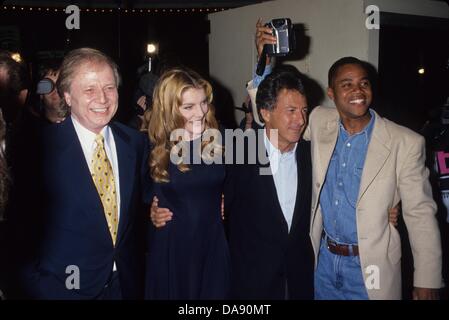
x=342 y=62
x=273 y=84
x=48 y=66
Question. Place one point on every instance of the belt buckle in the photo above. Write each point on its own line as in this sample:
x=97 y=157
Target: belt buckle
x=329 y=243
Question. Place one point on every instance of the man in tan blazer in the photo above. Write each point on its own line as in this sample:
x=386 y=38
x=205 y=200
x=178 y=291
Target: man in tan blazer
x=392 y=170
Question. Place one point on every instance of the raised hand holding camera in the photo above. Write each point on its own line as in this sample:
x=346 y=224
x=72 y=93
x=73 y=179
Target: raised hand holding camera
x=263 y=37
x=272 y=39
x=282 y=31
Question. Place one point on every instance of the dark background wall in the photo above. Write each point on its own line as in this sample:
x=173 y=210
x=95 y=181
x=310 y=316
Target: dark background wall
x=182 y=38
x=408 y=43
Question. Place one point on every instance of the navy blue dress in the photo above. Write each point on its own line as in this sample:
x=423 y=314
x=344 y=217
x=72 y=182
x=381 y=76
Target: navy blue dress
x=188 y=258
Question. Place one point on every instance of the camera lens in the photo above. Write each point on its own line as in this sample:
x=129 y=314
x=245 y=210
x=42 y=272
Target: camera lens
x=45 y=86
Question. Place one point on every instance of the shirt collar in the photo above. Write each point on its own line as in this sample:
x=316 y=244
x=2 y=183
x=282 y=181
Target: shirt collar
x=272 y=150
x=366 y=132
x=88 y=136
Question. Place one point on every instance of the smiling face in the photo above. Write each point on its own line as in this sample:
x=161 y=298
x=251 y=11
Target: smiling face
x=93 y=95
x=194 y=108
x=289 y=117
x=351 y=92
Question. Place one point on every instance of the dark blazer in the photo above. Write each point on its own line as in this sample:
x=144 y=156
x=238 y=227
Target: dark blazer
x=265 y=257
x=74 y=230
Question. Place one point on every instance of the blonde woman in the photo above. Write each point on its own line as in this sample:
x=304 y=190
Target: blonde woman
x=188 y=258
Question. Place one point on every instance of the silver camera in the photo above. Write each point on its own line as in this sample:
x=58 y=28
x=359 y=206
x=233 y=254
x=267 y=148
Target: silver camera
x=45 y=86
x=282 y=30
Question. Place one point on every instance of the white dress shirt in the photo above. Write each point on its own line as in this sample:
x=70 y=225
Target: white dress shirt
x=88 y=144
x=285 y=176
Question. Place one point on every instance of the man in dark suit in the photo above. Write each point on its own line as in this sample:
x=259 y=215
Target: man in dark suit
x=269 y=214
x=90 y=244
x=271 y=253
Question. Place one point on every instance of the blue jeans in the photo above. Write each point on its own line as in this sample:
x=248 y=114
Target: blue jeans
x=338 y=277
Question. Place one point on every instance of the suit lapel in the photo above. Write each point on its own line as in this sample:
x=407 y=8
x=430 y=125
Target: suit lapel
x=304 y=181
x=73 y=163
x=126 y=158
x=326 y=145
x=376 y=156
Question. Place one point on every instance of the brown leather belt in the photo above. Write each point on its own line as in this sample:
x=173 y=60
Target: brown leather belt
x=342 y=249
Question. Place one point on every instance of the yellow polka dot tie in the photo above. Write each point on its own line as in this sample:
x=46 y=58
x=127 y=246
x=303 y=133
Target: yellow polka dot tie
x=103 y=178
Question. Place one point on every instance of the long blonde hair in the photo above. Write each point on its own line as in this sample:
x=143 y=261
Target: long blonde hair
x=164 y=117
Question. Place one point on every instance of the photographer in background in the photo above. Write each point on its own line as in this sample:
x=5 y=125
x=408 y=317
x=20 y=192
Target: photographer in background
x=143 y=96
x=50 y=108
x=4 y=186
x=248 y=121
x=18 y=151
x=436 y=132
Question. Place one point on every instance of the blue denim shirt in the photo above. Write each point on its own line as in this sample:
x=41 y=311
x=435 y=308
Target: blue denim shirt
x=258 y=79
x=341 y=188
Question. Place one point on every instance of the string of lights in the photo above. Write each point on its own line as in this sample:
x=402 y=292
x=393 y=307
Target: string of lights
x=112 y=10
